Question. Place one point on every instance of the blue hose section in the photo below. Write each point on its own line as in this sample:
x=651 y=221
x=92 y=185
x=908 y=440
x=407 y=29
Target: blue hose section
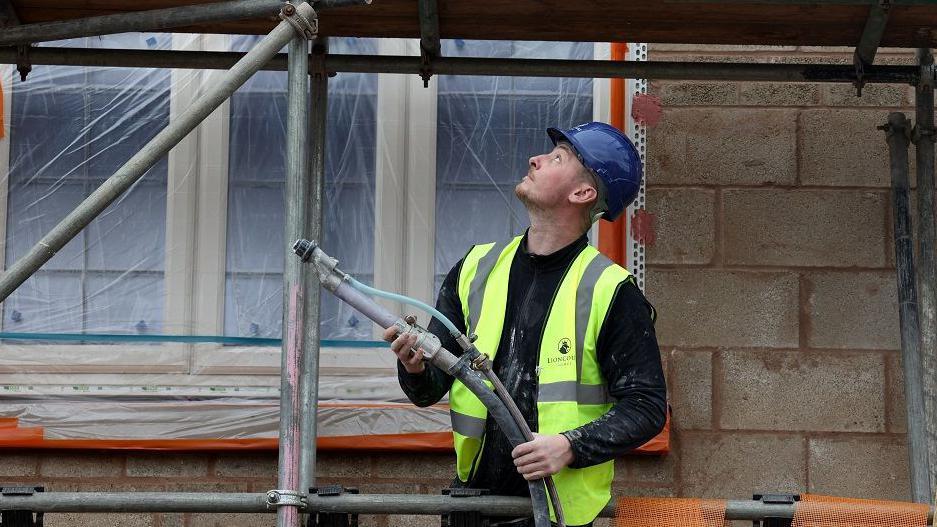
x=406 y=300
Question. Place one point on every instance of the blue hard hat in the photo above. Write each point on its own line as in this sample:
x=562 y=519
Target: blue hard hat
x=611 y=156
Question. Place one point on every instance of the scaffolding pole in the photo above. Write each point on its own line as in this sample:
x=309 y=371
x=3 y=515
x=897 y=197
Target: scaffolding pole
x=898 y=135
x=923 y=138
x=310 y=387
x=133 y=170
x=354 y=503
x=702 y=71
x=150 y=20
x=295 y=318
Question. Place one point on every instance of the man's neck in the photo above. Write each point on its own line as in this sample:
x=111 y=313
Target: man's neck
x=546 y=236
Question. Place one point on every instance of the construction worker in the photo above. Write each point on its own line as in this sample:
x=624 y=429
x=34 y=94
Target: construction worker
x=563 y=324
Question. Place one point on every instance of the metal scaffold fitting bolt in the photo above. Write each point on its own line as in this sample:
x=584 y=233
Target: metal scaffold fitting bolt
x=285 y=498
x=305 y=27
x=23 y=64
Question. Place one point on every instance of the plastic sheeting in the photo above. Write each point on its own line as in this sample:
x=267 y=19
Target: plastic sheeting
x=94 y=346
x=71 y=128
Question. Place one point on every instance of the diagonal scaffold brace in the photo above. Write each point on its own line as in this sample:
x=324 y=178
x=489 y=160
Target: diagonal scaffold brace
x=137 y=166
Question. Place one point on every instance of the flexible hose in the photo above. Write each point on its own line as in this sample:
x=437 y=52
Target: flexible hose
x=511 y=429
x=500 y=405
x=500 y=390
x=406 y=300
x=515 y=412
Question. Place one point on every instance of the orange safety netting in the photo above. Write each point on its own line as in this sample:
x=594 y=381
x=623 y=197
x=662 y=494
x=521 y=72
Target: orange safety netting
x=669 y=512
x=831 y=511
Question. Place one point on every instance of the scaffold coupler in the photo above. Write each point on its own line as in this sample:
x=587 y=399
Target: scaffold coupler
x=17 y=517
x=332 y=519
x=464 y=518
x=775 y=499
x=306 y=28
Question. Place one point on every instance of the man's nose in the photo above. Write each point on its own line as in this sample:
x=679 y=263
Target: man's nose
x=534 y=161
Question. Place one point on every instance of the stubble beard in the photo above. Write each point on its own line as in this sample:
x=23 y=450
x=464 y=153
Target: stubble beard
x=525 y=198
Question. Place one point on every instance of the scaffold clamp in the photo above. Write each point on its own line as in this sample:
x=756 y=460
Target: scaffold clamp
x=18 y=517
x=286 y=498
x=23 y=64
x=306 y=28
x=464 y=518
x=774 y=499
x=332 y=519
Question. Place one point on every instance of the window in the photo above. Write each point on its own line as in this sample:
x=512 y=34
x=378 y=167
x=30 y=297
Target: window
x=488 y=127
x=71 y=128
x=196 y=248
x=257 y=154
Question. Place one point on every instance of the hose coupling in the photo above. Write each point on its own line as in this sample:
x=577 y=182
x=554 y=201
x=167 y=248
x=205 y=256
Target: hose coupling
x=426 y=342
x=327 y=267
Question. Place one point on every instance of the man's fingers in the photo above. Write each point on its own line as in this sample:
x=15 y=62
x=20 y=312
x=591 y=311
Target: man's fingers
x=402 y=346
x=522 y=449
x=402 y=342
x=390 y=333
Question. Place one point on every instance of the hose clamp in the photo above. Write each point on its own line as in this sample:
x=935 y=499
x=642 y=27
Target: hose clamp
x=286 y=498
x=305 y=27
x=481 y=362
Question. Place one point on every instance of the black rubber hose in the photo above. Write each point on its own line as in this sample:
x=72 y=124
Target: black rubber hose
x=473 y=381
x=515 y=412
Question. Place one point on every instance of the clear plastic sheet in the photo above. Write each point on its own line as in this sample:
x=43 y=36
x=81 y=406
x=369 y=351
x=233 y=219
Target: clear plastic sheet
x=487 y=129
x=166 y=377
x=70 y=129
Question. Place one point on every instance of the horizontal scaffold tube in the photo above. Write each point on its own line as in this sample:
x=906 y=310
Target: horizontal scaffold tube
x=711 y=71
x=359 y=503
x=153 y=20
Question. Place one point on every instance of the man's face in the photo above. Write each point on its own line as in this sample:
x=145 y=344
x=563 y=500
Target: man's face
x=550 y=178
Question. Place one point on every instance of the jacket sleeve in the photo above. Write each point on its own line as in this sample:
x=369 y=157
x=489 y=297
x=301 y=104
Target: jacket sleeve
x=629 y=358
x=429 y=386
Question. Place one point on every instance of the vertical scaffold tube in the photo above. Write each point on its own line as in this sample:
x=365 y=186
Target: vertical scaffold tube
x=318 y=109
x=927 y=274
x=898 y=137
x=295 y=317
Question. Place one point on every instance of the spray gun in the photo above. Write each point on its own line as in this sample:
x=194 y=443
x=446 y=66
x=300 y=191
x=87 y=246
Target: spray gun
x=466 y=368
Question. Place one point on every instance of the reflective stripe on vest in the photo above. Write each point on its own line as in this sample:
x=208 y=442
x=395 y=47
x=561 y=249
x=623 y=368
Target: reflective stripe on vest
x=571 y=389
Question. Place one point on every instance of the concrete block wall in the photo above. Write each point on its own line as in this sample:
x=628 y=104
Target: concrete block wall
x=773 y=274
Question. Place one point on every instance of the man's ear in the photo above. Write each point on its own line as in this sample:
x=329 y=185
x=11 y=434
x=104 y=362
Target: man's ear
x=582 y=194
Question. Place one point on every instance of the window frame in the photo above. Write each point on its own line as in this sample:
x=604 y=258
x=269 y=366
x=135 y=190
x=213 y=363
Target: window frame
x=195 y=265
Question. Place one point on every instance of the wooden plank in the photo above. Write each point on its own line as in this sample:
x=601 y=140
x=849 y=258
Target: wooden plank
x=586 y=20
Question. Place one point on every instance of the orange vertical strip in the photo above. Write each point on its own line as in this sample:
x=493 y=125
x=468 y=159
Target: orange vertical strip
x=613 y=236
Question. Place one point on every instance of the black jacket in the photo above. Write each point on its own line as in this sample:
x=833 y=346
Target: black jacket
x=626 y=349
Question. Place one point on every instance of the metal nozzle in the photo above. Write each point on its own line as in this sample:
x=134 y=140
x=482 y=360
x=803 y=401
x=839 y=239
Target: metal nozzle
x=304 y=248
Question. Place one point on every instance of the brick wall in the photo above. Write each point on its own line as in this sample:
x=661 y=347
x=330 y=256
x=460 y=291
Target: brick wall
x=773 y=275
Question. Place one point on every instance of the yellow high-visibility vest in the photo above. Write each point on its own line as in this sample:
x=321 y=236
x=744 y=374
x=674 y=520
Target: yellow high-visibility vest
x=570 y=388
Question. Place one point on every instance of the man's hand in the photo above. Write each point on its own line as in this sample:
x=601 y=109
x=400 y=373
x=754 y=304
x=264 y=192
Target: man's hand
x=403 y=346
x=544 y=456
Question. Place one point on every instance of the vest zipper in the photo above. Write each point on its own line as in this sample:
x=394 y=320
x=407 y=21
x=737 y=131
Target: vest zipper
x=543 y=330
